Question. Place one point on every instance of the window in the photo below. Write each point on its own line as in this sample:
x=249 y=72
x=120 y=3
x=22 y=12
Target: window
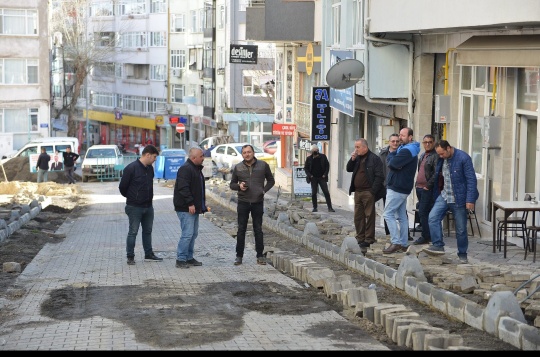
x=118 y=70
x=20 y=120
x=177 y=93
x=102 y=99
x=475 y=104
x=104 y=69
x=136 y=71
x=193 y=15
x=178 y=23
x=208 y=58
x=221 y=61
x=158 y=6
x=18 y=22
x=158 y=39
x=101 y=8
x=104 y=39
x=158 y=72
x=221 y=17
x=134 y=40
x=527 y=88
x=208 y=95
x=336 y=22
x=253 y=80
x=154 y=103
x=19 y=71
x=132 y=7
x=358 y=23
x=178 y=58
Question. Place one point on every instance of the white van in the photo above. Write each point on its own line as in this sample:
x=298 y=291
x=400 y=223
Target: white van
x=103 y=162
x=51 y=144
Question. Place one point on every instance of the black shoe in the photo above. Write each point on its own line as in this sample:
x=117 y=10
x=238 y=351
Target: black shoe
x=131 y=261
x=411 y=238
x=314 y=210
x=152 y=258
x=182 y=264
x=364 y=245
x=421 y=240
x=194 y=262
x=331 y=210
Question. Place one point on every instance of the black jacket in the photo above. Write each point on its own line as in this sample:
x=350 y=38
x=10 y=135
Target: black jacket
x=69 y=158
x=137 y=184
x=43 y=161
x=255 y=176
x=429 y=167
x=374 y=171
x=309 y=163
x=189 y=188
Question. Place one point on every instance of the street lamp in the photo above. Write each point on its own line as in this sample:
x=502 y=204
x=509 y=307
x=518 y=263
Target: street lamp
x=245 y=117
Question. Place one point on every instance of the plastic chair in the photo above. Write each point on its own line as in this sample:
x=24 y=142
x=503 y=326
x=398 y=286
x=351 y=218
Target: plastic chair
x=471 y=215
x=513 y=224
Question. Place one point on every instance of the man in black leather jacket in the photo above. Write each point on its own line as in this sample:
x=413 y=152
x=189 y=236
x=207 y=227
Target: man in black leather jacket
x=316 y=168
x=137 y=186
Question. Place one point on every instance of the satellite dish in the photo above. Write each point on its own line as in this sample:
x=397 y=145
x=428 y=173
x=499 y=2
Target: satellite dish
x=345 y=73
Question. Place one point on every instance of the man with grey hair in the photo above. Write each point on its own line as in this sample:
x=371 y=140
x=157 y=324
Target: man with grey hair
x=316 y=168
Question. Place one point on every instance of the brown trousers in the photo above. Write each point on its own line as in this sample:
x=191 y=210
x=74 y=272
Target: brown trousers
x=364 y=216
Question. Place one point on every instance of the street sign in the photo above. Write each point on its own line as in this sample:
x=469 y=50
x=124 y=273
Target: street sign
x=180 y=128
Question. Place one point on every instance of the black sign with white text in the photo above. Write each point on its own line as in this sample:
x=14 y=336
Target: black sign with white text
x=243 y=54
x=320 y=114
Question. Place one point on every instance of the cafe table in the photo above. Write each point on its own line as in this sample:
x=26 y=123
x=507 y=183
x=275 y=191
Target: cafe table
x=508 y=208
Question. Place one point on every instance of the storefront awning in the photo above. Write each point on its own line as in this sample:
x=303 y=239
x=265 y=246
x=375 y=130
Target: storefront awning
x=500 y=51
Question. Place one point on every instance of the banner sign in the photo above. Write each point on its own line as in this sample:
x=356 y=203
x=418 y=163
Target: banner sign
x=320 y=114
x=243 y=54
x=283 y=129
x=300 y=186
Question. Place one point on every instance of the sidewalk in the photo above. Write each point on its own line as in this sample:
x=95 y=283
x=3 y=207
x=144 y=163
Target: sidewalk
x=80 y=294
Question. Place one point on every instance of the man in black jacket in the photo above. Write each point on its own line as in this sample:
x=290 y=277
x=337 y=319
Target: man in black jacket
x=367 y=183
x=137 y=186
x=316 y=168
x=252 y=178
x=189 y=201
x=69 y=164
x=42 y=166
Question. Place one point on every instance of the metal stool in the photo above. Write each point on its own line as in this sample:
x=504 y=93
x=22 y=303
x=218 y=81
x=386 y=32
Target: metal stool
x=471 y=215
x=532 y=236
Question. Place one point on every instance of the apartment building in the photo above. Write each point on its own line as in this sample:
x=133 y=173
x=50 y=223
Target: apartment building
x=24 y=79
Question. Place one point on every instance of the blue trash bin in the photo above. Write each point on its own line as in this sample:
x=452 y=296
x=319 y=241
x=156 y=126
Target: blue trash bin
x=171 y=166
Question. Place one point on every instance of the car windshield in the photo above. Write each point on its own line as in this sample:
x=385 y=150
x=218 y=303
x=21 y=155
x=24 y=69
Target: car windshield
x=100 y=153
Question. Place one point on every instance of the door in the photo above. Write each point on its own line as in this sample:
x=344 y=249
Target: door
x=526 y=157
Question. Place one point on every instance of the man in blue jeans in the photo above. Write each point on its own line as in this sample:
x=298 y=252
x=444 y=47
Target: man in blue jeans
x=400 y=181
x=189 y=199
x=456 y=192
x=137 y=186
x=252 y=178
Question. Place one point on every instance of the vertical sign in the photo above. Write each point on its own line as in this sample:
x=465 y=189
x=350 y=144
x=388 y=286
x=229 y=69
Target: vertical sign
x=342 y=99
x=320 y=114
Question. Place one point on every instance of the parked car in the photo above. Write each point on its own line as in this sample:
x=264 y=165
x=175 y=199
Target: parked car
x=228 y=155
x=103 y=162
x=270 y=146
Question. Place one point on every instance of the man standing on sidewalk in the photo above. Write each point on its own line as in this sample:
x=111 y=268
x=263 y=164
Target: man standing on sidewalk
x=400 y=181
x=393 y=144
x=43 y=166
x=137 y=186
x=252 y=178
x=367 y=183
x=69 y=164
x=316 y=168
x=457 y=193
x=189 y=201
x=424 y=186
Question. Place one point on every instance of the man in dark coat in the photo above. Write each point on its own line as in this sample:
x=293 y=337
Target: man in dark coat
x=316 y=168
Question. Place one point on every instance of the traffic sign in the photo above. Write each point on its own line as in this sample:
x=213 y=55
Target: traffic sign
x=180 y=128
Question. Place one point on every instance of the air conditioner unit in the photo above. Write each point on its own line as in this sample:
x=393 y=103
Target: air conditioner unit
x=177 y=72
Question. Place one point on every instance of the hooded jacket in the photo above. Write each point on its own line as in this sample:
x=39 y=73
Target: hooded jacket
x=402 y=167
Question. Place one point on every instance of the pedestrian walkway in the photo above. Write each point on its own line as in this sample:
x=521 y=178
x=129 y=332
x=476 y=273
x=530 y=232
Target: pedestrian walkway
x=80 y=294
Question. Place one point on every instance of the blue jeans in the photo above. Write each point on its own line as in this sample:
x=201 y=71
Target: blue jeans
x=145 y=218
x=189 y=224
x=437 y=214
x=395 y=210
x=42 y=175
x=257 y=211
x=425 y=203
